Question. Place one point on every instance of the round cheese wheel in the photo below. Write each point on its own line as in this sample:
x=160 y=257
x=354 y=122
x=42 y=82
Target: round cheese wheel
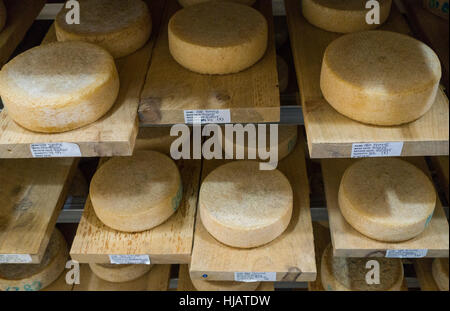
x=136 y=193
x=349 y=274
x=217 y=37
x=59 y=86
x=440 y=273
x=380 y=77
x=287 y=140
x=34 y=277
x=155 y=138
x=186 y=3
x=119 y=273
x=386 y=199
x=120 y=26
x=216 y=286
x=243 y=206
x=2 y=15
x=342 y=16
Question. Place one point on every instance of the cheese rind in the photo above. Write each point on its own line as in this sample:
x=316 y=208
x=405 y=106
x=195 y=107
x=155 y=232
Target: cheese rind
x=186 y=3
x=217 y=37
x=119 y=273
x=3 y=15
x=242 y=206
x=120 y=26
x=136 y=193
x=203 y=285
x=380 y=77
x=386 y=199
x=33 y=277
x=59 y=86
x=343 y=16
x=155 y=139
x=440 y=273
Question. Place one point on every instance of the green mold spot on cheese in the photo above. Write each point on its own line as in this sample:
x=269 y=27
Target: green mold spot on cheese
x=177 y=198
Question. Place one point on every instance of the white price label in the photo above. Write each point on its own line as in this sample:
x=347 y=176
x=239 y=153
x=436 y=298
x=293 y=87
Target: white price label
x=55 y=150
x=216 y=116
x=15 y=258
x=255 y=276
x=129 y=259
x=406 y=253
x=371 y=150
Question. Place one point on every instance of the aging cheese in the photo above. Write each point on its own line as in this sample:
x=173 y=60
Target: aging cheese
x=217 y=37
x=343 y=16
x=34 y=277
x=186 y=3
x=59 y=86
x=216 y=286
x=243 y=206
x=386 y=199
x=349 y=274
x=136 y=193
x=120 y=26
x=155 y=139
x=380 y=77
x=2 y=15
x=440 y=273
x=119 y=273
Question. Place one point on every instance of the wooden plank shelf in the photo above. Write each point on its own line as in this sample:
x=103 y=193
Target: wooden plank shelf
x=332 y=135
x=168 y=243
x=440 y=164
x=291 y=255
x=112 y=135
x=251 y=96
x=32 y=192
x=185 y=283
x=20 y=17
x=347 y=242
x=423 y=268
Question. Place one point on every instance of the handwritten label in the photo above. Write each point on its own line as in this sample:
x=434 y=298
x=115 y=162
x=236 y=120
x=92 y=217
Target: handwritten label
x=370 y=150
x=129 y=259
x=406 y=253
x=255 y=277
x=216 y=116
x=15 y=258
x=55 y=150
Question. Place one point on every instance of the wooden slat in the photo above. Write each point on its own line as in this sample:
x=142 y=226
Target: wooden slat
x=112 y=135
x=32 y=192
x=330 y=134
x=251 y=95
x=423 y=268
x=440 y=164
x=348 y=242
x=291 y=255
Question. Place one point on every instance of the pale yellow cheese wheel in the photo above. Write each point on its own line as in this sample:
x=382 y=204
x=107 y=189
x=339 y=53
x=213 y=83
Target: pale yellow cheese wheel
x=380 y=77
x=120 y=26
x=186 y=3
x=3 y=15
x=216 y=286
x=34 y=277
x=59 y=86
x=387 y=199
x=343 y=16
x=119 y=273
x=217 y=37
x=349 y=274
x=155 y=138
x=440 y=273
x=136 y=193
x=243 y=206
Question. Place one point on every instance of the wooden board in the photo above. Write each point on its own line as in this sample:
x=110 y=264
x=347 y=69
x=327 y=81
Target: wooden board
x=185 y=284
x=440 y=164
x=32 y=192
x=251 y=95
x=20 y=17
x=112 y=135
x=423 y=268
x=156 y=280
x=330 y=134
x=348 y=242
x=168 y=243
x=291 y=255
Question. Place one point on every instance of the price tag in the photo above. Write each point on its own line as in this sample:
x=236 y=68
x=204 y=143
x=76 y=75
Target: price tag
x=129 y=259
x=216 y=116
x=255 y=277
x=15 y=258
x=55 y=150
x=371 y=150
x=406 y=253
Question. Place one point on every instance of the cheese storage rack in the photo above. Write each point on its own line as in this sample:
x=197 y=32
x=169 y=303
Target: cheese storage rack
x=294 y=106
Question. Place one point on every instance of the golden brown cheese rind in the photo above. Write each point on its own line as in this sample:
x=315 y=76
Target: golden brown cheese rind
x=119 y=273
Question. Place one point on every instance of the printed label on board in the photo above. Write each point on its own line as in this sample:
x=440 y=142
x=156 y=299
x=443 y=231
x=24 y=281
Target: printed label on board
x=369 y=150
x=129 y=259
x=55 y=150
x=215 y=116
x=406 y=253
x=255 y=276
x=15 y=258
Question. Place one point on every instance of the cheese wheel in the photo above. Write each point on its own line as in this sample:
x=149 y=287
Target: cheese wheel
x=59 y=86
x=380 y=77
x=349 y=274
x=186 y=3
x=136 y=193
x=217 y=37
x=155 y=138
x=119 y=273
x=386 y=199
x=287 y=140
x=34 y=277
x=2 y=15
x=440 y=273
x=243 y=206
x=216 y=286
x=343 y=16
x=120 y=26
